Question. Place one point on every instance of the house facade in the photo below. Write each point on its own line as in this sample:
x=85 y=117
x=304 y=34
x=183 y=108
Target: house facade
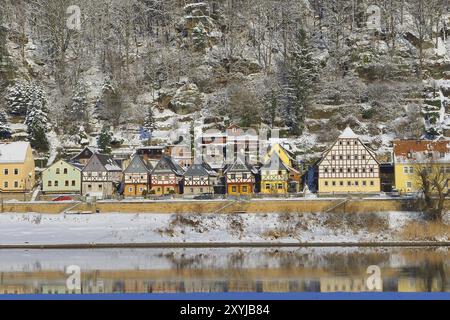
x=101 y=176
x=16 y=167
x=239 y=178
x=349 y=167
x=61 y=177
x=274 y=176
x=137 y=177
x=167 y=177
x=198 y=179
x=412 y=155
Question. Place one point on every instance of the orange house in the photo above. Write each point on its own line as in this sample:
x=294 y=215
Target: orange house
x=239 y=179
x=137 y=177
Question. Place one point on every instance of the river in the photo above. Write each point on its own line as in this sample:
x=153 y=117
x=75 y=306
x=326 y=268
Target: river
x=225 y=270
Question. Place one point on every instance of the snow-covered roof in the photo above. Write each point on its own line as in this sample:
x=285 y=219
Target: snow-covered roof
x=14 y=152
x=348 y=134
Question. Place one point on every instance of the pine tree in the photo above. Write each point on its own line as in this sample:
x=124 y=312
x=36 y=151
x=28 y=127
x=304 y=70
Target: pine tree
x=270 y=107
x=77 y=109
x=104 y=140
x=18 y=98
x=37 y=120
x=302 y=75
x=149 y=122
x=5 y=130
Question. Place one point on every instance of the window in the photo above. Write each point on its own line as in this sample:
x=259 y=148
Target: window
x=364 y=183
x=405 y=170
x=244 y=189
x=326 y=183
x=233 y=176
x=333 y=157
x=65 y=170
x=325 y=170
x=357 y=183
x=49 y=184
x=334 y=183
x=141 y=189
x=66 y=183
x=56 y=183
x=233 y=189
x=244 y=176
x=356 y=170
x=192 y=190
x=5 y=184
x=363 y=157
x=411 y=169
x=333 y=170
x=348 y=143
x=341 y=157
x=349 y=157
x=349 y=170
x=16 y=172
x=341 y=183
x=408 y=184
x=280 y=186
x=58 y=171
x=340 y=143
x=100 y=187
x=372 y=183
x=89 y=187
x=341 y=170
x=356 y=157
x=201 y=190
x=6 y=172
x=267 y=186
x=349 y=183
x=364 y=170
x=130 y=189
x=73 y=183
x=371 y=170
x=442 y=154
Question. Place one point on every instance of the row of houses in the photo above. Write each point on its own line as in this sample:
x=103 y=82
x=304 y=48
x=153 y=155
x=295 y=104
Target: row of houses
x=348 y=166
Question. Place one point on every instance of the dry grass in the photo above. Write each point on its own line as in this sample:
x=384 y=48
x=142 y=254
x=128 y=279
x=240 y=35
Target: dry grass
x=356 y=222
x=425 y=231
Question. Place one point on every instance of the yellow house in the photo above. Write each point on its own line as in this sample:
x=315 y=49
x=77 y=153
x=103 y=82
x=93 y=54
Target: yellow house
x=349 y=167
x=16 y=167
x=274 y=176
x=410 y=155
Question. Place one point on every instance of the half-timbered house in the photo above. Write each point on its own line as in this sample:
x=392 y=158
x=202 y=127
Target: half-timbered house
x=101 y=177
x=137 y=177
x=349 y=166
x=198 y=179
x=239 y=178
x=167 y=177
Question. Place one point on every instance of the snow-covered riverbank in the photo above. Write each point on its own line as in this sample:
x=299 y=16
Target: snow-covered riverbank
x=41 y=229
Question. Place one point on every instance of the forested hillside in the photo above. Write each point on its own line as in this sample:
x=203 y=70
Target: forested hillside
x=138 y=69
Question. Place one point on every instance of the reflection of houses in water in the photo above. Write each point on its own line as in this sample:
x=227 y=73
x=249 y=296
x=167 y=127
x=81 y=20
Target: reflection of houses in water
x=343 y=284
x=16 y=289
x=410 y=284
x=57 y=289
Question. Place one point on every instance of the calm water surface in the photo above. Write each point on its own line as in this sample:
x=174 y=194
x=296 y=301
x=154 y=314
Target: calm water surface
x=225 y=270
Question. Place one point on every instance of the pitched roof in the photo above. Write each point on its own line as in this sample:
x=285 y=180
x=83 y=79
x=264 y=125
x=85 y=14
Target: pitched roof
x=87 y=151
x=167 y=164
x=238 y=166
x=14 y=152
x=108 y=162
x=348 y=134
x=138 y=164
x=202 y=169
x=275 y=163
x=417 y=150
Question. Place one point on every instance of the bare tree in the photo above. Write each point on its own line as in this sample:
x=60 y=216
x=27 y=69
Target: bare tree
x=432 y=180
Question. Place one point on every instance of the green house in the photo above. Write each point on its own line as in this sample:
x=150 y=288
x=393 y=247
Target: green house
x=61 y=177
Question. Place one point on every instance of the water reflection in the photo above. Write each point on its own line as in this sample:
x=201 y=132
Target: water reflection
x=225 y=270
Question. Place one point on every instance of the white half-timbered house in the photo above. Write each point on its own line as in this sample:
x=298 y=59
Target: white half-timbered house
x=101 y=177
x=349 y=166
x=199 y=178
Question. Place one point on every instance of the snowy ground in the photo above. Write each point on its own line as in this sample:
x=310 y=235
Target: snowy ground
x=41 y=229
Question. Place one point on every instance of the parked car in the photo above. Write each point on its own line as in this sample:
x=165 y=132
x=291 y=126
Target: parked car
x=63 y=198
x=204 y=196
